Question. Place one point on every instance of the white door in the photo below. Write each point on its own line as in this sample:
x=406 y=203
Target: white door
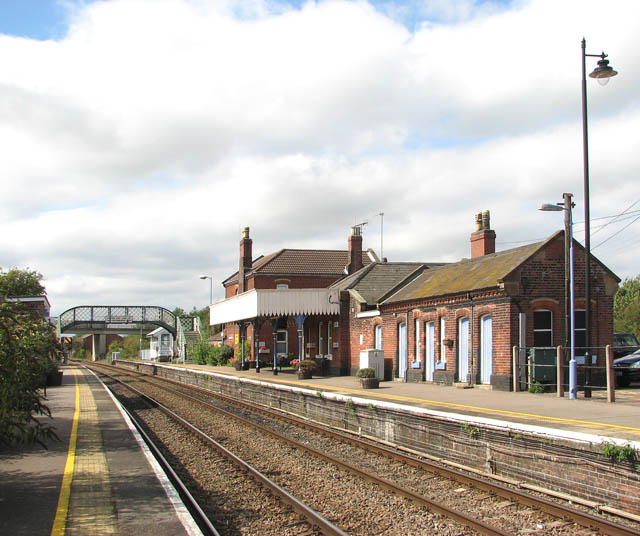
x=463 y=349
x=378 y=336
x=402 y=350
x=430 y=358
x=486 y=349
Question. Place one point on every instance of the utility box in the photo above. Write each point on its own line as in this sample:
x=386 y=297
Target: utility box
x=374 y=359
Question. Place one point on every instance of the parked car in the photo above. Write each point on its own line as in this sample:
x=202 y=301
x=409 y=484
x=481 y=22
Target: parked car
x=627 y=369
x=624 y=344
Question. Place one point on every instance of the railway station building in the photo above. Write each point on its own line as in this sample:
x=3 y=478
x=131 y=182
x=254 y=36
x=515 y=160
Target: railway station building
x=447 y=323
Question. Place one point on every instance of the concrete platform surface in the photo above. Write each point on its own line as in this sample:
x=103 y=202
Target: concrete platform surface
x=620 y=420
x=97 y=479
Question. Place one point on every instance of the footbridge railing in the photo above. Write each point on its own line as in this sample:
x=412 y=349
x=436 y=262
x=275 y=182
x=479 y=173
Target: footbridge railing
x=115 y=319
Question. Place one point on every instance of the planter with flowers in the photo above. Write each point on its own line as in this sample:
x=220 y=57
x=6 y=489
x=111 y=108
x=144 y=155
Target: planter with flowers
x=368 y=378
x=306 y=368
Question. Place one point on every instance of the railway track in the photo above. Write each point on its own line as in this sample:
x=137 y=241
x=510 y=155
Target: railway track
x=474 y=503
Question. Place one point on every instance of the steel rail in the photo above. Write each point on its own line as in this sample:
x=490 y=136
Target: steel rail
x=201 y=518
x=430 y=504
x=555 y=509
x=313 y=517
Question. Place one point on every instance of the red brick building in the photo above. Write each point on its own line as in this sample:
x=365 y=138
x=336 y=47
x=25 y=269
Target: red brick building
x=459 y=322
x=280 y=301
x=435 y=322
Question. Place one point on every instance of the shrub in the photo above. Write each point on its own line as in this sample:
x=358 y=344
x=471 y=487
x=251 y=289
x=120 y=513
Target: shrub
x=308 y=364
x=367 y=372
x=202 y=353
x=618 y=453
x=226 y=353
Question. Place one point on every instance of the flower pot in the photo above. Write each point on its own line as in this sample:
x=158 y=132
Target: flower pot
x=304 y=374
x=370 y=383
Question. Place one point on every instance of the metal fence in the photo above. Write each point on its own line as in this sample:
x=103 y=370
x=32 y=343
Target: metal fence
x=547 y=369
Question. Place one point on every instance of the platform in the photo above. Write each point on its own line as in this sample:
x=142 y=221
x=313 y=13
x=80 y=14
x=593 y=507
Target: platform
x=590 y=416
x=98 y=479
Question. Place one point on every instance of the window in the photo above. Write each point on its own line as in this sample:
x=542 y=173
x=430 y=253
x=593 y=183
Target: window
x=378 y=337
x=282 y=286
x=580 y=331
x=542 y=328
x=417 y=354
x=281 y=342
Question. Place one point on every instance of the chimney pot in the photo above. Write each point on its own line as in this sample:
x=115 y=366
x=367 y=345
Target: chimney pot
x=483 y=240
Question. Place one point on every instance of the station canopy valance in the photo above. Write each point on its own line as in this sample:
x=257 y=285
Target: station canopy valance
x=270 y=303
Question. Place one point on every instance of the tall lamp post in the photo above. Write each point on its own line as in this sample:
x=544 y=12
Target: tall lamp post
x=210 y=287
x=573 y=369
x=602 y=73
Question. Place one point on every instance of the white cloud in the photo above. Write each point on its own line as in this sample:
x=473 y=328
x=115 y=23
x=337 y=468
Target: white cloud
x=139 y=144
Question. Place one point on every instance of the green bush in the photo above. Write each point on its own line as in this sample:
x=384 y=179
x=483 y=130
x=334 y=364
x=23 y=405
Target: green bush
x=201 y=352
x=618 y=453
x=367 y=372
x=226 y=353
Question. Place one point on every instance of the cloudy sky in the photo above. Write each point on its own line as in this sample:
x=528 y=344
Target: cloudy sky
x=137 y=137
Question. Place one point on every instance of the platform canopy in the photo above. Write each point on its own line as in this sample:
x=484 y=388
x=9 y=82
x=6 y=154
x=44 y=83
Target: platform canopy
x=272 y=303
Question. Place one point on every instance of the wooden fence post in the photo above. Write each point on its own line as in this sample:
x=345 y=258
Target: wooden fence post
x=611 y=379
x=560 y=371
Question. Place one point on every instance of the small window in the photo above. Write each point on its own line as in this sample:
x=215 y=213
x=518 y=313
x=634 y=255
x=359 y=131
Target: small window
x=542 y=328
x=282 y=286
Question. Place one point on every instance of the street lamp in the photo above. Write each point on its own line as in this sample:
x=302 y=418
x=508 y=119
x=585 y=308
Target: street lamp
x=573 y=369
x=210 y=287
x=602 y=73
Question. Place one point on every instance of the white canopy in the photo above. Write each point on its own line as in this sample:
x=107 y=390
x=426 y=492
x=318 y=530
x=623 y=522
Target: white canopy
x=267 y=302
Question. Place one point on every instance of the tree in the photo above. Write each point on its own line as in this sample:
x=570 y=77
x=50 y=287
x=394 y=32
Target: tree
x=131 y=346
x=626 y=307
x=28 y=347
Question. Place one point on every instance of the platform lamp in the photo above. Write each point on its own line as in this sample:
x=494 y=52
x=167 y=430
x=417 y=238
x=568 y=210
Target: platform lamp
x=601 y=73
x=573 y=369
x=210 y=287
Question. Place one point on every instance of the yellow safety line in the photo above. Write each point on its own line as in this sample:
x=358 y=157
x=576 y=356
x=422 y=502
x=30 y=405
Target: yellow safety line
x=59 y=523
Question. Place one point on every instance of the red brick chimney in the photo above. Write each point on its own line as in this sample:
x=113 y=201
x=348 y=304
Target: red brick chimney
x=483 y=240
x=355 y=249
x=245 y=259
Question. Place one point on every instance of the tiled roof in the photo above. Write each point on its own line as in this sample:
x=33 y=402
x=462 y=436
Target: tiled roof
x=373 y=282
x=303 y=262
x=469 y=274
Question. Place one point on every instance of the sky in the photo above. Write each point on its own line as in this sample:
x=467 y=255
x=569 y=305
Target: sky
x=138 y=137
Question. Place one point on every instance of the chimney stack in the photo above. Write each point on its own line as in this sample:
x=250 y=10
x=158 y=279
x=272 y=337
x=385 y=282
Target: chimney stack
x=483 y=240
x=355 y=249
x=245 y=259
